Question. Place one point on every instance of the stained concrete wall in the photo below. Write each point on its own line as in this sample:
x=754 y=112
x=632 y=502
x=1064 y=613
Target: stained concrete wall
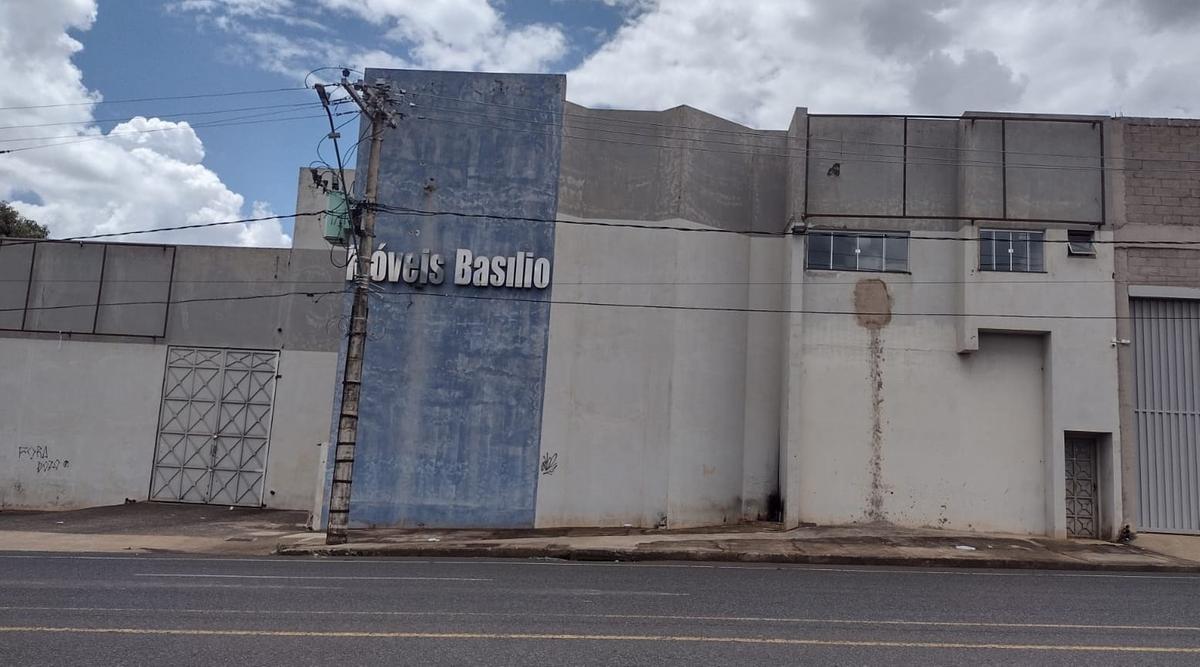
x=841 y=419
x=952 y=410
x=668 y=389
x=661 y=391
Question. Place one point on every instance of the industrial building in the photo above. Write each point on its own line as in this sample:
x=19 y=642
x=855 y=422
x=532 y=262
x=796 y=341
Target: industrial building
x=596 y=317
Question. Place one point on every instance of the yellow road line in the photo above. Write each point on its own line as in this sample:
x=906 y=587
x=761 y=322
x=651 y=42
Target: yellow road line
x=578 y=637
x=188 y=575
x=646 y=617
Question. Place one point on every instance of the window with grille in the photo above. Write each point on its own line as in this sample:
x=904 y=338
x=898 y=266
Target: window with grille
x=1005 y=250
x=858 y=251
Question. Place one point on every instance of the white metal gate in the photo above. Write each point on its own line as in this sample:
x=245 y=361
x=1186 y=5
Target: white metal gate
x=214 y=426
x=1166 y=351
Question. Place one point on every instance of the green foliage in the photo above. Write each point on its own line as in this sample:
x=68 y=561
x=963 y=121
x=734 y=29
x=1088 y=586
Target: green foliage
x=15 y=224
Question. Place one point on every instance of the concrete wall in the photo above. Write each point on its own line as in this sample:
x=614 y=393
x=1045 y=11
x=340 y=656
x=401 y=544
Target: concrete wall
x=839 y=416
x=311 y=196
x=77 y=423
x=300 y=428
x=676 y=406
x=1154 y=196
x=653 y=386
x=996 y=166
x=83 y=381
x=864 y=393
x=85 y=288
x=862 y=441
x=680 y=163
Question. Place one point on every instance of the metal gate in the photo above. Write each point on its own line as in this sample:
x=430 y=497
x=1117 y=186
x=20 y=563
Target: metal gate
x=1082 y=497
x=214 y=426
x=1166 y=352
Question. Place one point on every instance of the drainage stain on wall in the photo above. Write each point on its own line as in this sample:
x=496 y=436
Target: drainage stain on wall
x=873 y=311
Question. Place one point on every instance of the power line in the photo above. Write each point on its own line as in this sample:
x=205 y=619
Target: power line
x=266 y=91
x=324 y=138
x=631 y=283
x=592 y=223
x=771 y=311
x=214 y=124
x=5 y=243
x=715 y=230
x=121 y=133
x=599 y=304
x=172 y=302
x=897 y=279
x=209 y=112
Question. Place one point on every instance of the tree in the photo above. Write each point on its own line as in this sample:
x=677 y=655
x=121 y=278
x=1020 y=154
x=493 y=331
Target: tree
x=13 y=223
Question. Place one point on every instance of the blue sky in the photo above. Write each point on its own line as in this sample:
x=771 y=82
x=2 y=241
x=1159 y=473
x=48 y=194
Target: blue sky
x=85 y=168
x=142 y=49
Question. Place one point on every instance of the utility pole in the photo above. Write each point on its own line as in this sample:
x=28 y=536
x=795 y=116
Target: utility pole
x=374 y=105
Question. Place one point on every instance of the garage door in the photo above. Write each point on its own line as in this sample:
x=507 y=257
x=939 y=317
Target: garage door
x=1166 y=349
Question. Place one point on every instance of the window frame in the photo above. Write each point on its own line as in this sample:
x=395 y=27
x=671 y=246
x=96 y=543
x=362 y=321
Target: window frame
x=1081 y=247
x=884 y=236
x=1029 y=255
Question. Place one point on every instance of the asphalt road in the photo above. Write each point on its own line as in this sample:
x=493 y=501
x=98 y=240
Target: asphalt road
x=117 y=610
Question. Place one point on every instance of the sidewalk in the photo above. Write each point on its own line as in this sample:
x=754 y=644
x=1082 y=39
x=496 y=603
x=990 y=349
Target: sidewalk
x=204 y=529
x=760 y=543
x=146 y=527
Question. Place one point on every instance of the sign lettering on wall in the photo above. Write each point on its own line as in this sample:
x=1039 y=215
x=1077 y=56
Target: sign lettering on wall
x=522 y=270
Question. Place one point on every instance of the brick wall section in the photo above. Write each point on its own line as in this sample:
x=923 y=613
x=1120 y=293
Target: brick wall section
x=1163 y=266
x=1159 y=192
x=1156 y=189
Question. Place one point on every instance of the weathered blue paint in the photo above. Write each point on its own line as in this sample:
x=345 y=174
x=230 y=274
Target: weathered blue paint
x=450 y=421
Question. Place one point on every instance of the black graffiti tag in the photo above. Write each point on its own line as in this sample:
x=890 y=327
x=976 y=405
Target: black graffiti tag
x=40 y=456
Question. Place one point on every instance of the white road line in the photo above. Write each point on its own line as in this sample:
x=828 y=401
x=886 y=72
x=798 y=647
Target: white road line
x=647 y=617
x=289 y=576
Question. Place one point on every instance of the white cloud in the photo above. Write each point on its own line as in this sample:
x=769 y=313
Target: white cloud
x=174 y=140
x=263 y=234
x=977 y=81
x=148 y=174
x=238 y=7
x=433 y=34
x=754 y=62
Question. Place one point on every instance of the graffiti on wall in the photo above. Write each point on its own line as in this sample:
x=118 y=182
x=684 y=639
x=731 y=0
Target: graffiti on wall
x=40 y=457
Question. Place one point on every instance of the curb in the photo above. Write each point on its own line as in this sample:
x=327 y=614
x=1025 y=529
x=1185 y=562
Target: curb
x=715 y=556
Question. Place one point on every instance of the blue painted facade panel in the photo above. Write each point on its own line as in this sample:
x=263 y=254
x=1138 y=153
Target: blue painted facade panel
x=450 y=422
